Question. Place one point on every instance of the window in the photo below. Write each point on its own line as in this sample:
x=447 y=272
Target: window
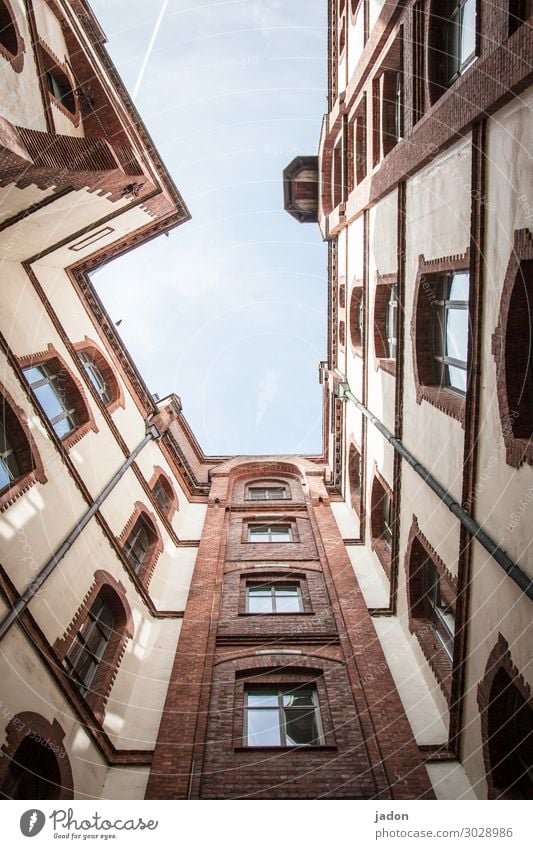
x=33 y=773
x=381 y=521
x=387 y=89
x=267 y=493
x=90 y=645
x=419 y=60
x=450 y=331
x=282 y=717
x=357 y=318
x=51 y=388
x=355 y=478
x=162 y=495
x=510 y=740
x=273 y=598
x=519 y=12
x=137 y=545
x=512 y=346
x=452 y=42
x=269 y=533
x=359 y=141
x=386 y=323
x=11 y=43
x=432 y=593
x=96 y=377
x=435 y=609
x=9 y=466
x=392 y=322
x=439 y=332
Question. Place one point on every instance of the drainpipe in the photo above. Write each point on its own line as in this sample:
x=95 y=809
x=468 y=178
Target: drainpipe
x=510 y=567
x=22 y=602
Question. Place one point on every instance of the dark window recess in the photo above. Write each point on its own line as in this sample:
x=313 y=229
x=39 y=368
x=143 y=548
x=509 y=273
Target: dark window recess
x=162 y=494
x=510 y=740
x=519 y=353
x=519 y=12
x=136 y=548
x=9 y=465
x=452 y=41
x=282 y=717
x=86 y=654
x=435 y=609
x=58 y=84
x=8 y=33
x=419 y=60
x=33 y=773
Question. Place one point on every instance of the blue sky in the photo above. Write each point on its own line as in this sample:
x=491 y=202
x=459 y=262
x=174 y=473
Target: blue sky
x=229 y=312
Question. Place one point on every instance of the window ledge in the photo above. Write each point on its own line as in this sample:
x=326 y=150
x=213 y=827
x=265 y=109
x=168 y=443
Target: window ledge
x=321 y=748
x=281 y=613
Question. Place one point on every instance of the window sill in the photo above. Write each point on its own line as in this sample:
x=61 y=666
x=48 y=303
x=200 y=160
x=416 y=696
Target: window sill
x=387 y=364
x=321 y=748
x=281 y=613
x=448 y=402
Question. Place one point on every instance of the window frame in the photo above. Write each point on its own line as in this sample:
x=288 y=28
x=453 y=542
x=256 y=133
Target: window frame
x=81 y=646
x=68 y=413
x=271 y=524
x=276 y=589
x=442 y=306
x=279 y=691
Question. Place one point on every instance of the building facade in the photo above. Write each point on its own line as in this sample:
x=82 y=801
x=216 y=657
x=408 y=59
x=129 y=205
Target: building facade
x=179 y=626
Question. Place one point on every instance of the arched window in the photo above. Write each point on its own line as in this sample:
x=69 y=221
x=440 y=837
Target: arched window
x=357 y=319
x=11 y=42
x=163 y=492
x=142 y=543
x=34 y=763
x=100 y=374
x=96 y=376
x=20 y=465
x=59 y=394
x=512 y=345
x=381 y=522
x=432 y=598
x=57 y=82
x=89 y=647
x=355 y=478
x=510 y=739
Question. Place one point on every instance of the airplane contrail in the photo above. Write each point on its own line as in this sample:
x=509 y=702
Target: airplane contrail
x=149 y=51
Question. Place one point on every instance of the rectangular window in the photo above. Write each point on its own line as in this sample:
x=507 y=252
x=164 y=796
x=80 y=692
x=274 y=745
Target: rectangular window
x=460 y=37
x=269 y=533
x=282 y=717
x=273 y=598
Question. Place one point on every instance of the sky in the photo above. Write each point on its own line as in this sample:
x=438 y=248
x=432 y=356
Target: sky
x=229 y=311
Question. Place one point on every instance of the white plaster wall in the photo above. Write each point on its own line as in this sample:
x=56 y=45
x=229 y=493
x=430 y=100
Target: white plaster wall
x=371 y=578
x=346 y=519
x=126 y=782
x=21 y=97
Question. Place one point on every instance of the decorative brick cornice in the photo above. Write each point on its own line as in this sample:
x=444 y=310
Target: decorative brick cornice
x=512 y=344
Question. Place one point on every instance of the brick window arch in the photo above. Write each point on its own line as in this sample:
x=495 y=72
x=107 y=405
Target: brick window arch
x=11 y=42
x=94 y=643
x=59 y=394
x=506 y=707
x=431 y=593
x=100 y=374
x=512 y=347
x=342 y=295
x=342 y=334
x=439 y=332
x=20 y=463
x=357 y=318
x=355 y=477
x=141 y=543
x=381 y=521
x=34 y=762
x=163 y=492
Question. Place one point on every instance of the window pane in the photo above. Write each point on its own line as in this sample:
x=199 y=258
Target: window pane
x=263 y=728
x=298 y=698
x=286 y=589
x=33 y=374
x=63 y=427
x=262 y=698
x=258 y=533
x=468 y=30
x=49 y=400
x=260 y=603
x=281 y=533
x=300 y=725
x=457 y=378
x=457 y=333
x=288 y=604
x=459 y=286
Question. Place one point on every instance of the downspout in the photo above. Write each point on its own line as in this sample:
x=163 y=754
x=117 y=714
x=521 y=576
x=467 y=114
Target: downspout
x=467 y=520
x=22 y=602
